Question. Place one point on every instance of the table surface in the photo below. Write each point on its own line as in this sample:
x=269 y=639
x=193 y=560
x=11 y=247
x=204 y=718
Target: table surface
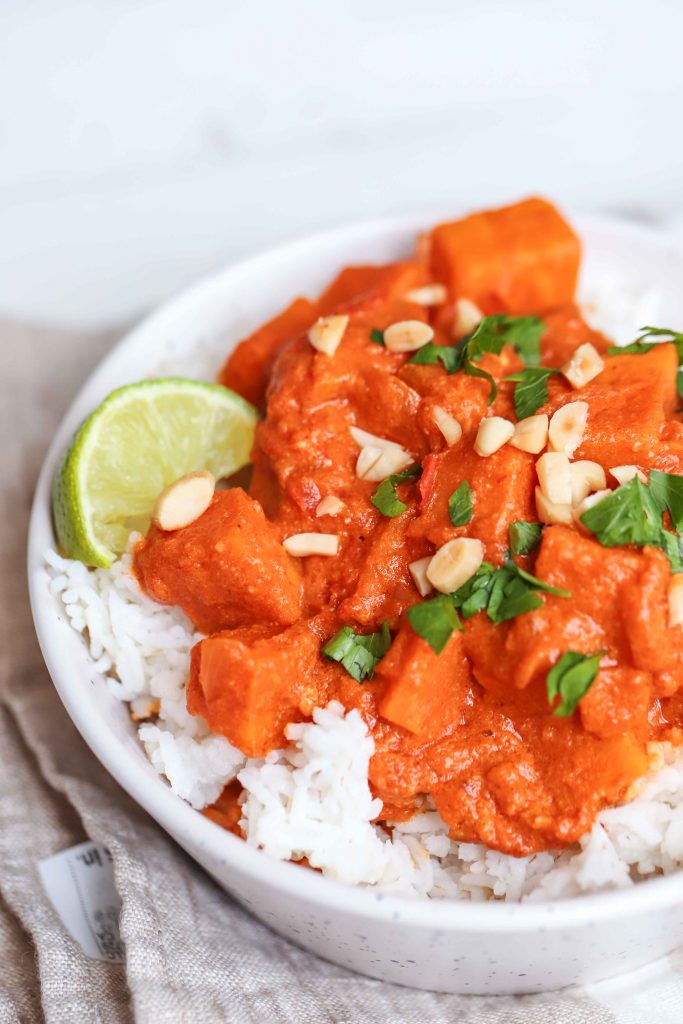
x=143 y=143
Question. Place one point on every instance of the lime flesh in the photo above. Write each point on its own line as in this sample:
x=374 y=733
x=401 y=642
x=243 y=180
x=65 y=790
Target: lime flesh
x=140 y=439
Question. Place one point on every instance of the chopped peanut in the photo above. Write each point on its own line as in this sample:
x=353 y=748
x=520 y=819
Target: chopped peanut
x=567 y=427
x=368 y=457
x=554 y=477
x=331 y=505
x=363 y=439
x=418 y=570
x=447 y=424
x=531 y=434
x=676 y=600
x=493 y=433
x=454 y=563
x=428 y=295
x=624 y=474
x=326 y=333
x=467 y=317
x=586 y=477
x=550 y=512
x=589 y=502
x=585 y=364
x=378 y=463
x=183 y=501
x=302 y=544
x=407 y=336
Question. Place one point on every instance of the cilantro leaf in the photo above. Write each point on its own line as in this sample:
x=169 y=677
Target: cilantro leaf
x=633 y=515
x=571 y=679
x=522 y=332
x=524 y=537
x=435 y=621
x=491 y=334
x=358 y=653
x=385 y=498
x=474 y=596
x=512 y=597
x=531 y=389
x=673 y=549
x=516 y=593
x=628 y=515
x=450 y=356
x=377 y=336
x=504 y=593
x=532 y=581
x=665 y=333
x=639 y=347
x=460 y=505
x=476 y=371
x=487 y=336
x=667 y=491
x=636 y=348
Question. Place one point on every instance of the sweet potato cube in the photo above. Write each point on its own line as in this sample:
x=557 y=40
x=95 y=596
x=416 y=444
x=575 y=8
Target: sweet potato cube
x=249 y=684
x=600 y=613
x=502 y=491
x=424 y=691
x=226 y=569
x=384 y=571
x=628 y=404
x=519 y=259
x=248 y=366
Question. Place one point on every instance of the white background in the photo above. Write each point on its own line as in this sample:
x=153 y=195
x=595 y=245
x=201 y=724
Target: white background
x=143 y=143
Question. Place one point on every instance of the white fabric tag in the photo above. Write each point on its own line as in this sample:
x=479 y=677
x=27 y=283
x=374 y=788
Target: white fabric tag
x=80 y=884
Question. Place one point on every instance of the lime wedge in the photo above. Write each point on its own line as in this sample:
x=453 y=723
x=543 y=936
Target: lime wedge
x=140 y=439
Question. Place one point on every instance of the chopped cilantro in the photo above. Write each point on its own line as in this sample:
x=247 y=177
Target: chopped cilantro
x=636 y=348
x=385 y=498
x=524 y=537
x=667 y=491
x=476 y=371
x=640 y=346
x=450 y=356
x=358 y=653
x=377 y=336
x=531 y=389
x=435 y=620
x=633 y=515
x=571 y=679
x=460 y=505
x=505 y=592
x=675 y=337
x=491 y=334
x=473 y=596
x=628 y=515
x=522 y=332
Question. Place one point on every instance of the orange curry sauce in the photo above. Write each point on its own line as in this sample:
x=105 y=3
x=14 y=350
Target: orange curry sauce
x=471 y=726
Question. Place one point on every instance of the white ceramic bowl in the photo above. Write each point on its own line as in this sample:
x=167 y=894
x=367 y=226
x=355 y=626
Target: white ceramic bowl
x=449 y=946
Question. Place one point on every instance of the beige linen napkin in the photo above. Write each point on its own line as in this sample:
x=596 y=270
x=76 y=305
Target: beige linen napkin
x=191 y=953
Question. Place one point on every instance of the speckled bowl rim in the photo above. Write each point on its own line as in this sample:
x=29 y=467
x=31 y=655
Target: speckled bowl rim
x=178 y=817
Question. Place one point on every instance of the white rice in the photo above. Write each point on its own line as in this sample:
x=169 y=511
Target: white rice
x=141 y=653
x=312 y=799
